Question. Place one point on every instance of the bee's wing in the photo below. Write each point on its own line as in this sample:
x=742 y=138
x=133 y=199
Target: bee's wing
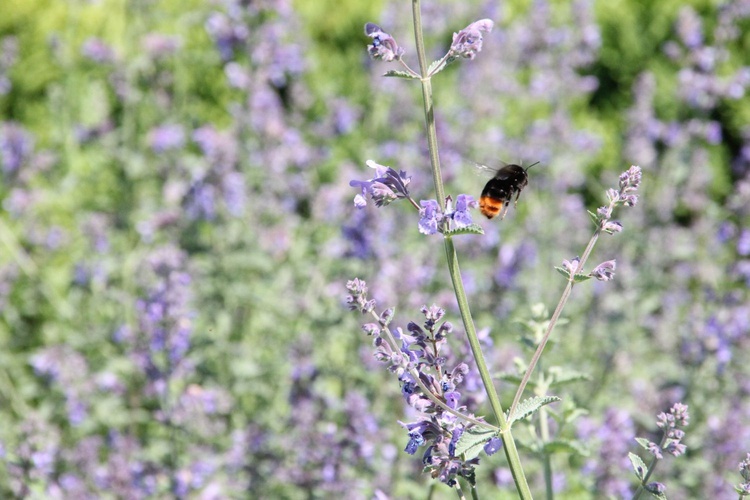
x=489 y=171
x=484 y=171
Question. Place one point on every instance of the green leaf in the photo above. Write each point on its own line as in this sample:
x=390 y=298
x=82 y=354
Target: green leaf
x=638 y=466
x=400 y=74
x=643 y=442
x=562 y=376
x=594 y=217
x=580 y=278
x=472 y=441
x=570 y=416
x=436 y=67
x=514 y=379
x=531 y=405
x=470 y=229
x=563 y=271
x=565 y=446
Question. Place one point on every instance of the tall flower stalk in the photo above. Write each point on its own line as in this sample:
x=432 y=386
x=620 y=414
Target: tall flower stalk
x=509 y=445
x=452 y=437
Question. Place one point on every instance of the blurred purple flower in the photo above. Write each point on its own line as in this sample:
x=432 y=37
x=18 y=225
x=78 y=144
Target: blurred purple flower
x=656 y=488
x=166 y=138
x=227 y=34
x=604 y=271
x=158 y=45
x=98 y=51
x=165 y=316
x=357 y=300
x=467 y=43
x=383 y=46
x=68 y=370
x=571 y=265
x=200 y=201
x=8 y=56
x=612 y=438
x=237 y=76
x=743 y=243
x=16 y=147
x=744 y=468
x=690 y=27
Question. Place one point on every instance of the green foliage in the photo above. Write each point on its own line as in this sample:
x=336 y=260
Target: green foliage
x=269 y=326
x=530 y=406
x=472 y=441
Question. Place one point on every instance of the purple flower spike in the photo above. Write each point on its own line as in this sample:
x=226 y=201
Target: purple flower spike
x=468 y=42
x=387 y=186
x=383 y=46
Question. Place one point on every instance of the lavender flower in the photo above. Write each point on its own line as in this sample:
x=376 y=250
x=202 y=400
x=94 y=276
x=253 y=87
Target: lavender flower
x=159 y=46
x=604 y=271
x=656 y=488
x=358 y=299
x=387 y=186
x=98 y=51
x=468 y=42
x=430 y=217
x=16 y=147
x=165 y=318
x=671 y=422
x=744 y=467
x=420 y=350
x=166 y=137
x=625 y=195
x=571 y=266
x=68 y=370
x=460 y=215
x=383 y=46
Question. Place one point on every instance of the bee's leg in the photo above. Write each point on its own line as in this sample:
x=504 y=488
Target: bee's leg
x=504 y=210
x=518 y=194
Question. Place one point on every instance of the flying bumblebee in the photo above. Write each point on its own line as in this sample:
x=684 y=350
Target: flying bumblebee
x=499 y=191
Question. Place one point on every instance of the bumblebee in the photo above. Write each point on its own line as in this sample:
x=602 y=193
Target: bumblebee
x=497 y=194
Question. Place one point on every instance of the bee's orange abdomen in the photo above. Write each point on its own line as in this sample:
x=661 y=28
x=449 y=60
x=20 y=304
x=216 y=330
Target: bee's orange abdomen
x=490 y=207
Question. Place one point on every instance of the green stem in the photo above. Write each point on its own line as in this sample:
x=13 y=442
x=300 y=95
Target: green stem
x=546 y=459
x=651 y=467
x=429 y=114
x=459 y=491
x=509 y=445
x=553 y=321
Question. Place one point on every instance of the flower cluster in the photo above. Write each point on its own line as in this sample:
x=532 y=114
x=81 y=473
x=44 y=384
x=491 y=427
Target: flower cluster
x=625 y=195
x=604 y=271
x=744 y=488
x=387 y=186
x=383 y=46
x=468 y=42
x=357 y=301
x=416 y=357
x=671 y=422
x=431 y=218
